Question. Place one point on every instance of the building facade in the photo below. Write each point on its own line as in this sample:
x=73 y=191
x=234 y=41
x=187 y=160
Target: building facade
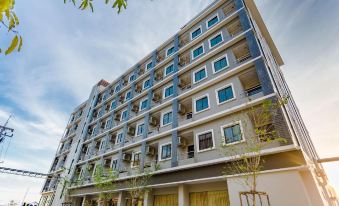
x=175 y=109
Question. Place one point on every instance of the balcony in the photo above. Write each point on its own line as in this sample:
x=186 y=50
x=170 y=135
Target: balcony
x=229 y=8
x=184 y=39
x=185 y=82
x=185 y=111
x=241 y=52
x=234 y=27
x=184 y=59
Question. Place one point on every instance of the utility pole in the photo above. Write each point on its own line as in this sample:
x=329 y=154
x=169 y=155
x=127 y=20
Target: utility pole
x=5 y=132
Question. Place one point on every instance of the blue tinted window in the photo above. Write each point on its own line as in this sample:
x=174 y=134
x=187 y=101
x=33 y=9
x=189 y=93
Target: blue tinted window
x=140 y=129
x=113 y=105
x=117 y=88
x=143 y=105
x=128 y=95
x=198 y=51
x=169 y=69
x=225 y=94
x=124 y=115
x=146 y=84
x=220 y=64
x=196 y=33
x=167 y=118
x=232 y=134
x=132 y=78
x=201 y=104
x=120 y=137
x=149 y=66
x=168 y=91
x=199 y=75
x=212 y=21
x=166 y=151
x=170 y=51
x=216 y=40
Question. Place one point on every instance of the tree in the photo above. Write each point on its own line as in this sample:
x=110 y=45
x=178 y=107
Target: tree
x=88 y=4
x=9 y=21
x=246 y=158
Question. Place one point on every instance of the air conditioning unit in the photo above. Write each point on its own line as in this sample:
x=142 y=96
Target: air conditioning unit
x=155 y=97
x=152 y=121
x=126 y=157
x=131 y=131
x=157 y=76
x=150 y=151
x=138 y=89
x=141 y=71
x=181 y=109
x=107 y=162
x=121 y=98
x=102 y=125
x=160 y=57
x=135 y=108
x=113 y=138
x=124 y=82
x=107 y=107
x=117 y=117
x=181 y=84
x=181 y=141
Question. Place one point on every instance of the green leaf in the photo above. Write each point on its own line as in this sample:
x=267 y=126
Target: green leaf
x=13 y=45
x=20 y=44
x=16 y=18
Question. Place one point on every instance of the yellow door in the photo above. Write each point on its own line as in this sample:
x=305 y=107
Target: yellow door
x=166 y=200
x=212 y=198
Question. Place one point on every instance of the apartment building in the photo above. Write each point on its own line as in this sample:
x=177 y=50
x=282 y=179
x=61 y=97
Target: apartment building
x=175 y=109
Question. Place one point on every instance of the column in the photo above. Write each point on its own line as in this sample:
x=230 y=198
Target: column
x=183 y=195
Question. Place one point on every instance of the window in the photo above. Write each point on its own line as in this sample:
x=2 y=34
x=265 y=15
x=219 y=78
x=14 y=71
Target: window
x=146 y=84
x=149 y=66
x=143 y=104
x=212 y=21
x=168 y=91
x=205 y=141
x=131 y=78
x=232 y=134
x=170 y=51
x=225 y=94
x=117 y=88
x=114 y=165
x=220 y=64
x=201 y=104
x=166 y=118
x=197 y=51
x=216 y=40
x=140 y=129
x=113 y=105
x=199 y=75
x=169 y=69
x=166 y=151
x=102 y=144
x=123 y=115
x=108 y=123
x=136 y=159
x=196 y=33
x=119 y=138
x=128 y=95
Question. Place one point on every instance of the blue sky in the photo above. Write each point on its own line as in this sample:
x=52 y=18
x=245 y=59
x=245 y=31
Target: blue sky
x=67 y=51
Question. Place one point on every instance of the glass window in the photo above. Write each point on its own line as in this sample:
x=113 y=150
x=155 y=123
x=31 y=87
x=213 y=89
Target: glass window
x=117 y=88
x=212 y=22
x=128 y=95
x=120 y=138
x=225 y=94
x=201 y=104
x=232 y=134
x=205 y=141
x=136 y=159
x=140 y=129
x=196 y=33
x=113 y=105
x=169 y=91
x=216 y=40
x=143 y=105
x=169 y=70
x=149 y=66
x=170 y=51
x=167 y=118
x=124 y=115
x=200 y=75
x=166 y=151
x=131 y=78
x=146 y=84
x=220 y=64
x=114 y=164
x=198 y=51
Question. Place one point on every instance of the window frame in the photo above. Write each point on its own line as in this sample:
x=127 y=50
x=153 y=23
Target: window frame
x=113 y=101
x=197 y=140
x=143 y=84
x=230 y=125
x=198 y=70
x=111 y=166
x=198 y=98
x=194 y=30
x=116 y=140
x=128 y=91
x=132 y=159
x=162 y=118
x=192 y=51
x=108 y=119
x=129 y=78
x=116 y=90
x=168 y=55
x=121 y=116
x=164 y=92
x=140 y=104
x=149 y=62
x=217 y=34
x=221 y=88
x=165 y=75
x=218 y=59
x=209 y=19
x=160 y=149
x=137 y=126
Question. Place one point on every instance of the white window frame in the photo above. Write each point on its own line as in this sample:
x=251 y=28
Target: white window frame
x=162 y=118
x=114 y=101
x=143 y=84
x=198 y=70
x=169 y=49
x=195 y=29
x=212 y=17
x=129 y=78
x=203 y=51
x=165 y=75
x=148 y=64
x=115 y=88
x=136 y=130
x=107 y=122
x=101 y=143
x=217 y=59
x=116 y=140
x=221 y=88
x=197 y=140
x=198 y=98
x=126 y=95
x=125 y=110
x=209 y=40
x=111 y=166
x=132 y=159
x=140 y=104
x=160 y=149
x=163 y=92
x=230 y=125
